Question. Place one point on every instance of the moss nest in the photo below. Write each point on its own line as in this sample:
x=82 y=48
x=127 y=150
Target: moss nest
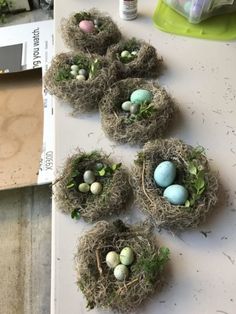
x=82 y=95
x=135 y=58
x=151 y=120
x=113 y=182
x=97 y=281
x=192 y=171
x=103 y=34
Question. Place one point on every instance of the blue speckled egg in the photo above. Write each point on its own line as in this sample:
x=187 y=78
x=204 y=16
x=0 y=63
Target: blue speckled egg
x=139 y=96
x=176 y=194
x=165 y=173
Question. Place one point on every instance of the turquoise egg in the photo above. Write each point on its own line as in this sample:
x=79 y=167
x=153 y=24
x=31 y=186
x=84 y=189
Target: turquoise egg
x=165 y=173
x=176 y=194
x=139 y=96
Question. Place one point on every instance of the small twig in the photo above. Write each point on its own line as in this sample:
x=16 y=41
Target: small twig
x=98 y=262
x=219 y=311
x=115 y=114
x=127 y=285
x=143 y=185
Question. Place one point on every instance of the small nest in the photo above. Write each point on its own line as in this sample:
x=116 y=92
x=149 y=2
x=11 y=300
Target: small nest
x=116 y=191
x=145 y=64
x=121 y=128
x=149 y=195
x=95 y=42
x=96 y=280
x=83 y=96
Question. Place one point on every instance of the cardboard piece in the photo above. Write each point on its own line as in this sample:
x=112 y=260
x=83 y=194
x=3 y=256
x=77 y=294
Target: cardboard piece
x=21 y=128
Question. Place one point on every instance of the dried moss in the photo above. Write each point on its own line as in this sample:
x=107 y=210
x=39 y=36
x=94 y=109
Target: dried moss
x=141 y=129
x=115 y=195
x=149 y=195
x=95 y=42
x=96 y=280
x=146 y=64
x=83 y=96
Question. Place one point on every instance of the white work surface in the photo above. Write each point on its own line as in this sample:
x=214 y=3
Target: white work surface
x=201 y=76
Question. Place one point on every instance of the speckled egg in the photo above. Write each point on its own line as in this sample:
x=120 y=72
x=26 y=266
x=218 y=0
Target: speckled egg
x=86 y=26
x=89 y=177
x=176 y=194
x=112 y=259
x=165 y=173
x=121 y=272
x=126 y=256
x=140 y=96
x=126 y=105
x=96 y=188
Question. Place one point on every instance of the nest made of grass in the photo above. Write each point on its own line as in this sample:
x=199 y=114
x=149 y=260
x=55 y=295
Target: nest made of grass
x=115 y=195
x=116 y=124
x=145 y=64
x=149 y=195
x=83 y=96
x=96 y=280
x=96 y=42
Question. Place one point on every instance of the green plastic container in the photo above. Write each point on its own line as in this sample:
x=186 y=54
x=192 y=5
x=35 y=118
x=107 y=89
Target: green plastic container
x=222 y=27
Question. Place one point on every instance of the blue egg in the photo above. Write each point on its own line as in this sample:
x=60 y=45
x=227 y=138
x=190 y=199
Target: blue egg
x=140 y=96
x=165 y=173
x=176 y=194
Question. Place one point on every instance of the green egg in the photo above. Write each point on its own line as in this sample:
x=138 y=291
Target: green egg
x=126 y=256
x=140 y=96
x=84 y=187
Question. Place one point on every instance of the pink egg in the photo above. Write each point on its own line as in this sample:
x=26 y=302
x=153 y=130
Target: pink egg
x=86 y=26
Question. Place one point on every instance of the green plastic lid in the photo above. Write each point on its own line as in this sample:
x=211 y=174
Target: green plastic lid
x=221 y=27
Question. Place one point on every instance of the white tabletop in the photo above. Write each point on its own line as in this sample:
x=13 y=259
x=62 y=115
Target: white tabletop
x=201 y=76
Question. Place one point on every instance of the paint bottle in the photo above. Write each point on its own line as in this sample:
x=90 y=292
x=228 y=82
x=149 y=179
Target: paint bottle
x=128 y=9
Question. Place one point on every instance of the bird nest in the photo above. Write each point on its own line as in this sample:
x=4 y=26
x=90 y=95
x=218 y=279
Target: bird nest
x=192 y=171
x=97 y=41
x=114 y=179
x=84 y=95
x=142 y=61
x=96 y=280
x=151 y=121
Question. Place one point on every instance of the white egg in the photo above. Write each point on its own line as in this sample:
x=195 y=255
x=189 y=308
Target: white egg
x=126 y=105
x=121 y=272
x=74 y=67
x=83 y=72
x=125 y=54
x=96 y=188
x=74 y=73
x=134 y=53
x=126 y=256
x=112 y=259
x=89 y=177
x=80 y=77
